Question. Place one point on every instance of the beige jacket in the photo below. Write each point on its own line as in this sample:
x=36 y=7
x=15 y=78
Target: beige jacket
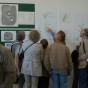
x=58 y=57
x=7 y=68
x=32 y=62
x=82 y=55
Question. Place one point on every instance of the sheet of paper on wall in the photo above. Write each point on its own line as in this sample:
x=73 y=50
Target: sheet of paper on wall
x=47 y=20
x=26 y=18
x=8 y=36
x=9 y=15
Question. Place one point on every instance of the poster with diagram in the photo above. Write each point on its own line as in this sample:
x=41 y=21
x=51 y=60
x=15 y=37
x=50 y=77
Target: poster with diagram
x=8 y=15
x=14 y=15
x=8 y=36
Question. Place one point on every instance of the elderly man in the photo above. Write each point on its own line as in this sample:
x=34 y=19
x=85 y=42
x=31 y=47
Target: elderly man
x=7 y=68
x=58 y=61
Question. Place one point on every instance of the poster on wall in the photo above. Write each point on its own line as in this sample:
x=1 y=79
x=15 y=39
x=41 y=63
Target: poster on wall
x=8 y=15
x=17 y=15
x=8 y=36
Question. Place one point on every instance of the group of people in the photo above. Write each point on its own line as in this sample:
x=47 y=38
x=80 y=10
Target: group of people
x=42 y=61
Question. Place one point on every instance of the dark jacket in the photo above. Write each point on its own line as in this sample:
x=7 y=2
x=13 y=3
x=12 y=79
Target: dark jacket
x=75 y=55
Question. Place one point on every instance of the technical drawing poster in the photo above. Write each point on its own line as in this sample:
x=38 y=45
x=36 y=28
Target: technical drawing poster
x=16 y=15
x=8 y=36
x=8 y=15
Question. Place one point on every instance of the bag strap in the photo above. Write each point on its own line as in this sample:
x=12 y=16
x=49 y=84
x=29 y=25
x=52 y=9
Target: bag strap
x=29 y=46
x=84 y=47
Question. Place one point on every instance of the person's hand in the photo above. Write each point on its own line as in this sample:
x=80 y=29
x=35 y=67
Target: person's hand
x=49 y=30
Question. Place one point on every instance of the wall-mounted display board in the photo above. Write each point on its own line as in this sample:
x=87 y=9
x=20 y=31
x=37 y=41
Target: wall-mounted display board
x=15 y=17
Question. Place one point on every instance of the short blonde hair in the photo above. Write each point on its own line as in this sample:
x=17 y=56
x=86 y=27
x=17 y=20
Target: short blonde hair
x=34 y=36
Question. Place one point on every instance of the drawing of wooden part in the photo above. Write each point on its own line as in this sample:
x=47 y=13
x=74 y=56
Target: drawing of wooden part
x=8 y=36
x=9 y=15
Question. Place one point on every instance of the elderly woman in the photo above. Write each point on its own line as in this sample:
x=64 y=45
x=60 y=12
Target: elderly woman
x=32 y=66
x=83 y=59
x=16 y=49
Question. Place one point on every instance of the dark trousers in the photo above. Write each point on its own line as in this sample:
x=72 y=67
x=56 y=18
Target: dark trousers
x=76 y=77
x=83 y=78
x=43 y=82
x=20 y=80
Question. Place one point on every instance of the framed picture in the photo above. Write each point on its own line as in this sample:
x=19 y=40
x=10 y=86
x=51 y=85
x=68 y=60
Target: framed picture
x=8 y=15
x=8 y=36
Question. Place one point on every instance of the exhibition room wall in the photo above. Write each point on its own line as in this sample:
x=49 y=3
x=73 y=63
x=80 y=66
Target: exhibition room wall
x=70 y=8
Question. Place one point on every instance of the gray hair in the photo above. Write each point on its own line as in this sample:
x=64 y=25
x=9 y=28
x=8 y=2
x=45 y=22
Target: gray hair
x=34 y=36
x=86 y=32
x=20 y=35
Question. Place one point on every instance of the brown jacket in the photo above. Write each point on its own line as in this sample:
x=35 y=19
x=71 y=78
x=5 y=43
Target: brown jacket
x=82 y=55
x=7 y=68
x=58 y=57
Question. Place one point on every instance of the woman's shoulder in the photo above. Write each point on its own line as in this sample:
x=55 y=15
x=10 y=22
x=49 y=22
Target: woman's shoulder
x=26 y=42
